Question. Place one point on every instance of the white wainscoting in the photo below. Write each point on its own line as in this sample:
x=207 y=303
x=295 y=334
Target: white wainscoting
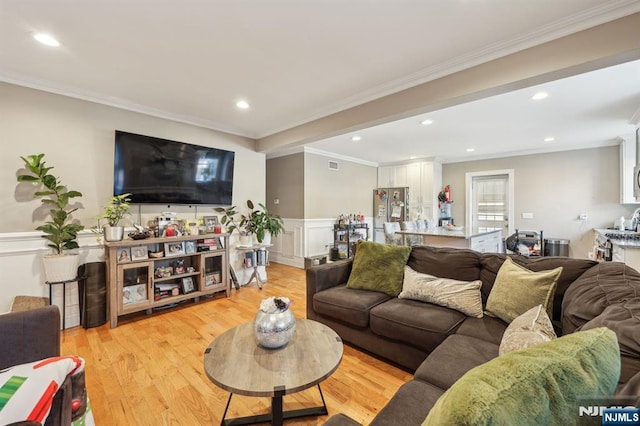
x=23 y=273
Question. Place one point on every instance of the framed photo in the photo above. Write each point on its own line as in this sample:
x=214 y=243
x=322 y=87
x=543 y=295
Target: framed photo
x=139 y=253
x=210 y=222
x=124 y=255
x=134 y=293
x=187 y=285
x=173 y=249
x=212 y=279
x=189 y=247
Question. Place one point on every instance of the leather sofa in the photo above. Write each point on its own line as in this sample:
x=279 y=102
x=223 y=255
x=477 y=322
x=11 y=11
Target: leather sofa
x=440 y=345
x=32 y=335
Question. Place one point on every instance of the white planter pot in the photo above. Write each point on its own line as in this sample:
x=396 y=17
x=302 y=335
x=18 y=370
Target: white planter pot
x=113 y=233
x=61 y=267
x=267 y=238
x=246 y=240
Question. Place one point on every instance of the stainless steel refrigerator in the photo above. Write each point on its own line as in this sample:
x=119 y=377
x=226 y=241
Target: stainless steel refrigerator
x=389 y=205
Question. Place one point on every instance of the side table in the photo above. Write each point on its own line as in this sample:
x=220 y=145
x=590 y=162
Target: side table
x=259 y=257
x=64 y=295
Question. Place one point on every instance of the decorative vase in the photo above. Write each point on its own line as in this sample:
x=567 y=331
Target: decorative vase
x=267 y=238
x=245 y=240
x=58 y=268
x=274 y=330
x=113 y=233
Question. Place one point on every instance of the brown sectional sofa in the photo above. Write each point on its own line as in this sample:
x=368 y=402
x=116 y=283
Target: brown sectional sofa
x=441 y=344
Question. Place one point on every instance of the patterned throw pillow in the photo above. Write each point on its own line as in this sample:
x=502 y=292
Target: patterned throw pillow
x=463 y=296
x=528 y=330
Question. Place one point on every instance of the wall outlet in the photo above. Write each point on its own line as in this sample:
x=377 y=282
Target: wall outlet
x=276 y=201
x=583 y=216
x=527 y=215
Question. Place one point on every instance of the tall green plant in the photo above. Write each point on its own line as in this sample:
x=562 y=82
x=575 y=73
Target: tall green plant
x=59 y=231
x=259 y=222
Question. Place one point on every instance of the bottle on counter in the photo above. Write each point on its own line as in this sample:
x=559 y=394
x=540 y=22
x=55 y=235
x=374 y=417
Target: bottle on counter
x=608 y=251
x=620 y=224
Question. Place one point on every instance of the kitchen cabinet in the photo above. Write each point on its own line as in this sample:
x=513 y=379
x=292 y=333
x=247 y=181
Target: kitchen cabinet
x=627 y=163
x=424 y=179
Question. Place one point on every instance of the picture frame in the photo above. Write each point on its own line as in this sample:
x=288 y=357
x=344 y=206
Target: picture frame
x=174 y=249
x=189 y=247
x=209 y=222
x=124 y=255
x=187 y=285
x=134 y=294
x=139 y=253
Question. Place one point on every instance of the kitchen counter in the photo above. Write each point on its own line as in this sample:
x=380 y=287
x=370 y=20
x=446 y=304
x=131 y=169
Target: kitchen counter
x=489 y=241
x=623 y=239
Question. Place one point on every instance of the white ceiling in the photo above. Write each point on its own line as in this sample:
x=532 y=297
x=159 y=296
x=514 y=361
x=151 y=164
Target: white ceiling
x=299 y=60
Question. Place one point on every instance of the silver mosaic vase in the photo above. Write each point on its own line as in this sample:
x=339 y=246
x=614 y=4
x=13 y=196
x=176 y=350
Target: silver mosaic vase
x=274 y=330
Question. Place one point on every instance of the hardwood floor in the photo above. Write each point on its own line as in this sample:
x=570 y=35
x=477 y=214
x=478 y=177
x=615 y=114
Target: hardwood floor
x=149 y=370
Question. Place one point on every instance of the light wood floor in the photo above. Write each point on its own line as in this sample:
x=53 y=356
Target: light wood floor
x=149 y=370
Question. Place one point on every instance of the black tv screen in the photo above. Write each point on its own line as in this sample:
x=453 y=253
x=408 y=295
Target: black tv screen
x=161 y=171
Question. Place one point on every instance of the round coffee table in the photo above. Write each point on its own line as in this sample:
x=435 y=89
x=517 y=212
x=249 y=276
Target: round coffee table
x=236 y=363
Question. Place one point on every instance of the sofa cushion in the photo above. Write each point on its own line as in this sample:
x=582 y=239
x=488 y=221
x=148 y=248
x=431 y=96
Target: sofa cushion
x=378 y=267
x=489 y=329
x=409 y=405
x=517 y=289
x=571 y=270
x=551 y=378
x=453 y=358
x=446 y=262
x=419 y=324
x=605 y=284
x=347 y=305
x=624 y=320
x=529 y=329
x=463 y=296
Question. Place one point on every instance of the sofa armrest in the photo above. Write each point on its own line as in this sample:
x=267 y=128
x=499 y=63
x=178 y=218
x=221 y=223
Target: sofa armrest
x=29 y=336
x=322 y=277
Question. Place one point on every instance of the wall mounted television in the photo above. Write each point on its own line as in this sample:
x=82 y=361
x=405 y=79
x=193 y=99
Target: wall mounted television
x=161 y=171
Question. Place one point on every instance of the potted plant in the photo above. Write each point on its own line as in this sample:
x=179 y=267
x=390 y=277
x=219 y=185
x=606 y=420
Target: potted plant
x=60 y=231
x=233 y=223
x=263 y=224
x=114 y=212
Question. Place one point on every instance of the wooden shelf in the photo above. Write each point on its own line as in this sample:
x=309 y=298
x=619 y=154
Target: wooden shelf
x=136 y=279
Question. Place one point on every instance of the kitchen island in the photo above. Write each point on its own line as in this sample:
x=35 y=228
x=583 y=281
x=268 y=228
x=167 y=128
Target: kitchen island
x=625 y=246
x=484 y=242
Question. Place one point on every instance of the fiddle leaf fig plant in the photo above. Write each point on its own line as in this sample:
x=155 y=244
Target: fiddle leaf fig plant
x=59 y=231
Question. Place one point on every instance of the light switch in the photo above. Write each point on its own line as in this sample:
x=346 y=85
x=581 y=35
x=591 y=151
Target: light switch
x=527 y=215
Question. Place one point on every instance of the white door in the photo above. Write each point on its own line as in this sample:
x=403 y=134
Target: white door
x=490 y=201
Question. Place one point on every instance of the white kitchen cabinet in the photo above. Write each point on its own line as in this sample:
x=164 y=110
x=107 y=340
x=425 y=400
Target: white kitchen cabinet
x=487 y=243
x=627 y=163
x=424 y=179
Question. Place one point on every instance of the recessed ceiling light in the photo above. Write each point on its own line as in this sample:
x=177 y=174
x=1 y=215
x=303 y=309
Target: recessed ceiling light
x=426 y=122
x=539 y=96
x=470 y=149
x=46 y=39
x=413 y=157
x=242 y=104
x=549 y=139
x=355 y=138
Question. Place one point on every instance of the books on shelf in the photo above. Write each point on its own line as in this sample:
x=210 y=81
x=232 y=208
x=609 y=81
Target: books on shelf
x=256 y=258
x=208 y=244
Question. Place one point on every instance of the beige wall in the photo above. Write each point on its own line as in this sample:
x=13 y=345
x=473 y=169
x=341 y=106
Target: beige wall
x=285 y=182
x=328 y=193
x=78 y=139
x=556 y=188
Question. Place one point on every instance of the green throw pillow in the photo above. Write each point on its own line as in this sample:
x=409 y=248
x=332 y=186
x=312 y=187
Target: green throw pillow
x=517 y=289
x=542 y=385
x=378 y=267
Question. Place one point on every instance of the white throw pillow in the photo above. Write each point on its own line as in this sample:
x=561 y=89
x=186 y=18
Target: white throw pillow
x=528 y=330
x=463 y=296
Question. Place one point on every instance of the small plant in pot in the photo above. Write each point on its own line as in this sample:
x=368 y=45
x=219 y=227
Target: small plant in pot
x=60 y=231
x=114 y=212
x=263 y=224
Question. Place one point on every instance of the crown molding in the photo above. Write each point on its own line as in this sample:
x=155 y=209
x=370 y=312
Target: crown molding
x=589 y=18
x=308 y=150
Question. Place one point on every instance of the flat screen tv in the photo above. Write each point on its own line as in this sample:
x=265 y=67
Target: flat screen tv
x=161 y=171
